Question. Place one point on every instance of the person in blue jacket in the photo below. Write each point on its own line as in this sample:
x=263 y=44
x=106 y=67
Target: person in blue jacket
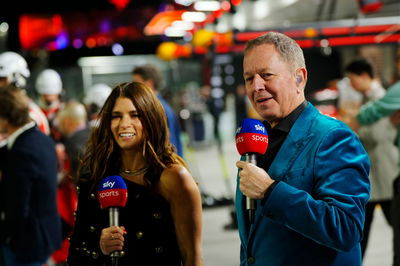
x=151 y=76
x=311 y=186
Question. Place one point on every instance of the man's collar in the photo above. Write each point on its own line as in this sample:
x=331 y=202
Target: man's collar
x=286 y=123
x=11 y=139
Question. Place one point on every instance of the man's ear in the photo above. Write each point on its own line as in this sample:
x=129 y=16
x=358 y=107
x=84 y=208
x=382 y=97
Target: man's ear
x=299 y=79
x=301 y=75
x=150 y=83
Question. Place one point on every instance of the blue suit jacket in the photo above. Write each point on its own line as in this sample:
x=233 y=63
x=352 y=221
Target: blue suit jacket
x=30 y=224
x=315 y=214
x=173 y=126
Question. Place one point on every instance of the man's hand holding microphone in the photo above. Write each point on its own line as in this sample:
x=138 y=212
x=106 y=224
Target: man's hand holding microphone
x=252 y=139
x=254 y=181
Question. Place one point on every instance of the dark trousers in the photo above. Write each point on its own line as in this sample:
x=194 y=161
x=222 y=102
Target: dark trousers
x=369 y=216
x=396 y=221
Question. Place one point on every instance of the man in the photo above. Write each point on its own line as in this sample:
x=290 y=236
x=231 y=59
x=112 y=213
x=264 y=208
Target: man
x=30 y=228
x=152 y=77
x=94 y=99
x=72 y=123
x=311 y=186
x=49 y=87
x=388 y=105
x=378 y=140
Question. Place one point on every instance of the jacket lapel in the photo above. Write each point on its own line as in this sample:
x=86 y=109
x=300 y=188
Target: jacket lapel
x=300 y=134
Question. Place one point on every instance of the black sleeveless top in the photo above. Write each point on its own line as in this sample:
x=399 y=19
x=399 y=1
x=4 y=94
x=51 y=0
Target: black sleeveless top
x=150 y=239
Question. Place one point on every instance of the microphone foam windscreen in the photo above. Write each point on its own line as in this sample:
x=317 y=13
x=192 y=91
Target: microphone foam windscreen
x=112 y=192
x=251 y=137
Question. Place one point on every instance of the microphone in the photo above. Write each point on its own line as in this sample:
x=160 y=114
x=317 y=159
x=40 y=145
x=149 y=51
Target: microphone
x=251 y=139
x=112 y=194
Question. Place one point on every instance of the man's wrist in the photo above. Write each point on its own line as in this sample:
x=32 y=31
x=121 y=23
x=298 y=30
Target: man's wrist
x=269 y=190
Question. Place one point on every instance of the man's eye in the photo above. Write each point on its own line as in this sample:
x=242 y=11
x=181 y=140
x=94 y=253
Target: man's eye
x=266 y=75
x=248 y=79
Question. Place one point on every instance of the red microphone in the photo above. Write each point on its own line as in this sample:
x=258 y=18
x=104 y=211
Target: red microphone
x=113 y=194
x=251 y=139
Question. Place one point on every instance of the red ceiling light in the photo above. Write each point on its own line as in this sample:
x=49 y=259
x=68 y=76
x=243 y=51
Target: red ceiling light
x=226 y=6
x=161 y=21
x=370 y=6
x=120 y=4
x=236 y=2
x=218 y=13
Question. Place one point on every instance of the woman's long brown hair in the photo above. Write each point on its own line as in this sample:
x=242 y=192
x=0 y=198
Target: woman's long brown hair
x=102 y=156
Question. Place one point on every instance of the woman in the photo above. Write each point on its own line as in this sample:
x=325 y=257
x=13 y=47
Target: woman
x=161 y=222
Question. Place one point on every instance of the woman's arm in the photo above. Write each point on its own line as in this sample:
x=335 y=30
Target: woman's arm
x=179 y=188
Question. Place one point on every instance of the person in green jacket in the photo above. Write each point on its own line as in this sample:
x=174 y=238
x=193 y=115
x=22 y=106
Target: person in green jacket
x=388 y=105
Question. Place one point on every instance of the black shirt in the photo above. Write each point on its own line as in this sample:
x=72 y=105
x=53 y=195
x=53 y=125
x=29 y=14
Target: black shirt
x=276 y=137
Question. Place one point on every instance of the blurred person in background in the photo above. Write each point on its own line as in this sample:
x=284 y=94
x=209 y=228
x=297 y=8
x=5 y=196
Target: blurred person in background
x=311 y=186
x=153 y=78
x=30 y=228
x=49 y=88
x=241 y=101
x=72 y=123
x=378 y=140
x=161 y=223
x=94 y=100
x=387 y=106
x=71 y=120
x=14 y=70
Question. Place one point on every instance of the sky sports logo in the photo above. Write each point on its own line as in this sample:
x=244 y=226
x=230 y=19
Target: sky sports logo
x=254 y=137
x=259 y=128
x=108 y=184
x=109 y=193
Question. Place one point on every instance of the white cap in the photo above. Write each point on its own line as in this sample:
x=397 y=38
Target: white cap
x=15 y=68
x=49 y=82
x=97 y=94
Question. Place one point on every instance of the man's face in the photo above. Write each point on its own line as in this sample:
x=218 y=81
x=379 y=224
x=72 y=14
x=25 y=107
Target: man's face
x=361 y=83
x=139 y=78
x=270 y=83
x=49 y=99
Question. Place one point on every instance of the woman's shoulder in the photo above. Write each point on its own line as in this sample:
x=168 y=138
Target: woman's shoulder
x=175 y=178
x=175 y=174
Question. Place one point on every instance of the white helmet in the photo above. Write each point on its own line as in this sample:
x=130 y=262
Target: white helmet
x=15 y=68
x=97 y=94
x=49 y=82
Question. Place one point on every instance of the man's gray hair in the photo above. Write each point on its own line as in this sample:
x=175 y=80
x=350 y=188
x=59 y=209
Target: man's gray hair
x=288 y=49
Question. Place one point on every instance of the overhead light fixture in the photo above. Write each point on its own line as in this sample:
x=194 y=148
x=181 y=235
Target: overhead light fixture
x=184 y=25
x=194 y=16
x=207 y=5
x=117 y=49
x=174 y=32
x=288 y=2
x=184 y=2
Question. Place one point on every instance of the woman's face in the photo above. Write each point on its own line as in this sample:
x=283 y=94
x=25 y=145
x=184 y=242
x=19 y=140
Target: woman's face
x=126 y=127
